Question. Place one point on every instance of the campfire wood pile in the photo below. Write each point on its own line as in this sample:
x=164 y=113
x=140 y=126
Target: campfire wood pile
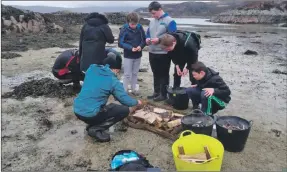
x=158 y=118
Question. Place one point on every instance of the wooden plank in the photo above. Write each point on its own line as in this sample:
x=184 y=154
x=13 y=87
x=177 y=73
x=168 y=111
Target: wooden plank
x=208 y=156
x=159 y=110
x=177 y=115
x=199 y=156
x=174 y=123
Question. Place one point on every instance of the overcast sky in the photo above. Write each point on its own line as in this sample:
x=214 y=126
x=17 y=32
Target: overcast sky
x=72 y=4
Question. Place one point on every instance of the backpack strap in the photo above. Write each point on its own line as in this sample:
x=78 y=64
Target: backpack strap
x=65 y=70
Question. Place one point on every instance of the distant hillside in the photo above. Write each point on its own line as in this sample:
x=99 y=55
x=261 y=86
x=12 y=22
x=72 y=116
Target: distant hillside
x=186 y=9
x=45 y=9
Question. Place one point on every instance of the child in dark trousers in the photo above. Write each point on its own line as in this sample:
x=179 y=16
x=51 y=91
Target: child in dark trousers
x=209 y=90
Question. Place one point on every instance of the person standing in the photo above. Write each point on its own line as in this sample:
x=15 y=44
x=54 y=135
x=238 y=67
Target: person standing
x=158 y=58
x=94 y=35
x=132 y=40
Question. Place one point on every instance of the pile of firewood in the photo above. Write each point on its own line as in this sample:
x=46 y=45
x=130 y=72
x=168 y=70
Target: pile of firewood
x=157 y=117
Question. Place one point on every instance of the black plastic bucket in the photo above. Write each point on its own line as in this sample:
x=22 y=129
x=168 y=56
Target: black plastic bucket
x=233 y=139
x=178 y=98
x=192 y=122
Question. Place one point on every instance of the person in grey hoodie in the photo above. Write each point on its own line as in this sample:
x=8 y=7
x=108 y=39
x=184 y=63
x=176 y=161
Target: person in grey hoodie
x=158 y=58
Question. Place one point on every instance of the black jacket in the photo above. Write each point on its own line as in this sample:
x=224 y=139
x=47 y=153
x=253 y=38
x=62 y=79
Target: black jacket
x=186 y=48
x=94 y=36
x=213 y=80
x=67 y=61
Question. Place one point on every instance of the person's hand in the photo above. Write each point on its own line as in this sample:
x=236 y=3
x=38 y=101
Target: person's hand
x=154 y=40
x=134 y=50
x=192 y=86
x=208 y=91
x=148 y=41
x=139 y=102
x=179 y=73
x=185 y=71
x=139 y=48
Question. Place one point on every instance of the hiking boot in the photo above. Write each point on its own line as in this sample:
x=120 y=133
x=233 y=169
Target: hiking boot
x=153 y=96
x=99 y=135
x=159 y=98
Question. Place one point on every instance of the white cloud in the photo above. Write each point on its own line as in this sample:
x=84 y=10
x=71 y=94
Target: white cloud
x=73 y=4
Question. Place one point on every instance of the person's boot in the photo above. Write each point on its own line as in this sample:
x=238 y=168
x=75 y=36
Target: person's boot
x=99 y=135
x=160 y=98
x=153 y=96
x=98 y=131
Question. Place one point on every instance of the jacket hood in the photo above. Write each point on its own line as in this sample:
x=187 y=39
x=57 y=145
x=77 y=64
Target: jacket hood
x=102 y=70
x=96 y=19
x=210 y=73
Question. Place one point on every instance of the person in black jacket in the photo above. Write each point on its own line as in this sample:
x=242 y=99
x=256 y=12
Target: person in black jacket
x=210 y=90
x=67 y=68
x=94 y=36
x=183 y=49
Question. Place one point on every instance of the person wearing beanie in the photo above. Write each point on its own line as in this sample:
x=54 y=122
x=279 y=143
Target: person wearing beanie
x=90 y=105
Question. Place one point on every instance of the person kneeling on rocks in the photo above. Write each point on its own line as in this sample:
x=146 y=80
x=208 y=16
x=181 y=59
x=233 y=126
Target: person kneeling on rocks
x=90 y=106
x=67 y=68
x=210 y=90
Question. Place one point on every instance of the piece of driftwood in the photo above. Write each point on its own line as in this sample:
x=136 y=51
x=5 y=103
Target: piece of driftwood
x=208 y=156
x=147 y=127
x=159 y=110
x=177 y=115
x=174 y=123
x=181 y=150
x=199 y=156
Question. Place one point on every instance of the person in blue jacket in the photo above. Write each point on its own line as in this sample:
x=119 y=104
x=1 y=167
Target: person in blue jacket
x=90 y=106
x=132 y=40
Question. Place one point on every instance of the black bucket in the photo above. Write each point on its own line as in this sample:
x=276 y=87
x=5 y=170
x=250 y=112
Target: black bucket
x=178 y=98
x=192 y=122
x=233 y=138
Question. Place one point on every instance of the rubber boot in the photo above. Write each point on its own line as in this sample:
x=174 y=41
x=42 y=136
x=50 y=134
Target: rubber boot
x=98 y=131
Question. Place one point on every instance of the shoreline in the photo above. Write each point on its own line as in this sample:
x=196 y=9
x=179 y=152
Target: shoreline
x=257 y=94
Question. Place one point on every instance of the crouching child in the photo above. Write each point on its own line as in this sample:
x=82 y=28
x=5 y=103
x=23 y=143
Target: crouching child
x=209 y=90
x=90 y=106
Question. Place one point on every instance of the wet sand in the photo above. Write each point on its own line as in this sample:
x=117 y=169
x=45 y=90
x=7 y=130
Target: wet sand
x=43 y=133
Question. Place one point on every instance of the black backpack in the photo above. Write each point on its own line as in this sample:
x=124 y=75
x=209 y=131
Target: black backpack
x=189 y=34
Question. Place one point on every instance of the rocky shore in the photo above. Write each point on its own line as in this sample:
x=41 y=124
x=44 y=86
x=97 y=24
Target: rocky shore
x=19 y=21
x=255 y=13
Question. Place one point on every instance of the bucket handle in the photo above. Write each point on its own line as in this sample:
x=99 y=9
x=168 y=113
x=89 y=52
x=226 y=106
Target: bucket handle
x=185 y=133
x=251 y=123
x=198 y=110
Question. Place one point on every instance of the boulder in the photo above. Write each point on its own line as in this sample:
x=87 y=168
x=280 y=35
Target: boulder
x=21 y=18
x=7 y=23
x=282 y=25
x=13 y=20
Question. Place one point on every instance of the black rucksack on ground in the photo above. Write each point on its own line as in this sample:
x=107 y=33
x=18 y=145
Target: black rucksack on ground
x=139 y=165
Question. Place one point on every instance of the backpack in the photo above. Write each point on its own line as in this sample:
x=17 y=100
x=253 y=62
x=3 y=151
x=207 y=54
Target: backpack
x=128 y=160
x=189 y=34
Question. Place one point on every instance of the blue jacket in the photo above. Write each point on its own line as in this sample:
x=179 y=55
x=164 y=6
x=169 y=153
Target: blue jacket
x=100 y=82
x=132 y=38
